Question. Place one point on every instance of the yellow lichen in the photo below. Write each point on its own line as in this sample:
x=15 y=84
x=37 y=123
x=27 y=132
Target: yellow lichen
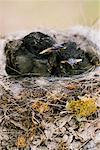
x=40 y=106
x=83 y=107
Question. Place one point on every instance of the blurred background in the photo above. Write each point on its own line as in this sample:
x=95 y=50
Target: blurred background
x=17 y=15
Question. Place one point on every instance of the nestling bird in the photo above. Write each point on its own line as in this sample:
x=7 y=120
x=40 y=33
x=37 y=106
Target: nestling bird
x=66 y=59
x=22 y=56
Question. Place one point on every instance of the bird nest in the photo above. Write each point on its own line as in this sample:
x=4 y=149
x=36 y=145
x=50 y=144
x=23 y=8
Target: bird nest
x=53 y=112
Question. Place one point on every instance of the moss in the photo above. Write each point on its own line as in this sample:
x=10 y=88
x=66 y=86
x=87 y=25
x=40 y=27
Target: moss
x=82 y=107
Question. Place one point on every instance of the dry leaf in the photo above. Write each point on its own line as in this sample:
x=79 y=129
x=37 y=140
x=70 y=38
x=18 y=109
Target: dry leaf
x=40 y=106
x=71 y=86
x=21 y=142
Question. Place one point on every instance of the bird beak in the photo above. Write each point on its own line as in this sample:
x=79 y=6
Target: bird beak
x=48 y=50
x=54 y=48
x=64 y=61
x=71 y=61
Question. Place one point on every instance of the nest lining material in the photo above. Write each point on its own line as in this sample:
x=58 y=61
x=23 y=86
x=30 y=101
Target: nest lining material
x=25 y=126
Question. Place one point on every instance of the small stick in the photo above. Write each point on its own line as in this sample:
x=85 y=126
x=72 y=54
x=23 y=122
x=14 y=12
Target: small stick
x=84 y=144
